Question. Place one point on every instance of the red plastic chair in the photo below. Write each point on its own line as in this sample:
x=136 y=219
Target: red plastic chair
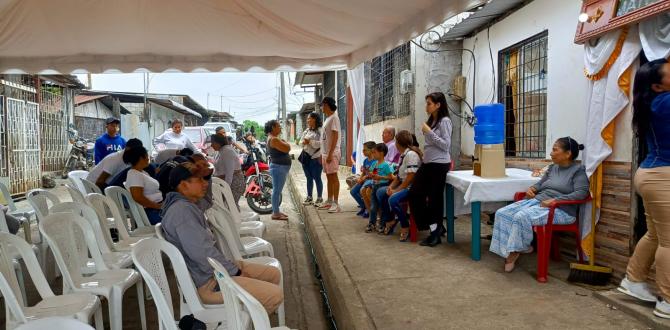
x=545 y=244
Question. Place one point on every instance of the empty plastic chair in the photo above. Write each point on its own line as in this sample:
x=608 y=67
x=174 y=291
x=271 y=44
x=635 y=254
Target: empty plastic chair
x=63 y=231
x=59 y=323
x=223 y=197
x=244 y=215
x=81 y=306
x=75 y=178
x=23 y=215
x=104 y=205
x=75 y=194
x=248 y=246
x=122 y=197
x=90 y=187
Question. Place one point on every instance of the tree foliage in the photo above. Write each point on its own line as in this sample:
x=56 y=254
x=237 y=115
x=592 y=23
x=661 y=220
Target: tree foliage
x=250 y=125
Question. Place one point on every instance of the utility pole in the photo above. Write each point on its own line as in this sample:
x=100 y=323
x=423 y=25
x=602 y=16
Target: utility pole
x=221 y=103
x=207 y=101
x=283 y=106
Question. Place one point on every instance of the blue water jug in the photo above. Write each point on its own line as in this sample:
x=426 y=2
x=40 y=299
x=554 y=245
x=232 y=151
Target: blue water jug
x=490 y=126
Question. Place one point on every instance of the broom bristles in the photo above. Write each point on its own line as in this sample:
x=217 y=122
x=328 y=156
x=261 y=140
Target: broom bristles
x=591 y=275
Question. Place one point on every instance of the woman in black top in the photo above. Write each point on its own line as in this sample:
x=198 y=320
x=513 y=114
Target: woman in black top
x=280 y=164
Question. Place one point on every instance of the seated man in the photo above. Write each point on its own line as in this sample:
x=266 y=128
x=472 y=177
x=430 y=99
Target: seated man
x=103 y=173
x=185 y=226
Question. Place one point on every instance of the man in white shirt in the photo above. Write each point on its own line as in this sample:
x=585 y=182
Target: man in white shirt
x=331 y=153
x=110 y=166
x=388 y=136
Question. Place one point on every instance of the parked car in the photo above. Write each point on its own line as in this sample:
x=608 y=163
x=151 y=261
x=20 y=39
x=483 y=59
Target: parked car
x=199 y=135
x=230 y=129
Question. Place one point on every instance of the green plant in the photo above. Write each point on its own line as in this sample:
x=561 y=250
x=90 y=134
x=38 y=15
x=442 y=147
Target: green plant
x=255 y=127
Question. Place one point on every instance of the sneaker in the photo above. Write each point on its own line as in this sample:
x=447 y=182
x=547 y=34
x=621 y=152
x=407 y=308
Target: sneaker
x=370 y=228
x=361 y=212
x=334 y=208
x=308 y=201
x=638 y=290
x=319 y=201
x=662 y=309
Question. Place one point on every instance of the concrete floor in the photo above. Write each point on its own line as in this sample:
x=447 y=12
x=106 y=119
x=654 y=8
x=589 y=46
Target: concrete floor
x=376 y=282
x=304 y=308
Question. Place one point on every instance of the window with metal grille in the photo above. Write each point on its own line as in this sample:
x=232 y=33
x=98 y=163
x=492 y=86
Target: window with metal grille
x=383 y=99
x=522 y=88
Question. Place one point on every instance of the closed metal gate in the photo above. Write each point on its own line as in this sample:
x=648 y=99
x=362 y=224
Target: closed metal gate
x=54 y=112
x=23 y=145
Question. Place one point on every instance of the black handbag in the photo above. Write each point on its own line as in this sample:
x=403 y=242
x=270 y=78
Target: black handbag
x=305 y=157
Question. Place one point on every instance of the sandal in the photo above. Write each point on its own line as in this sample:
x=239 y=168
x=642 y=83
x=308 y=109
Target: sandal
x=404 y=234
x=370 y=228
x=510 y=262
x=281 y=217
x=390 y=226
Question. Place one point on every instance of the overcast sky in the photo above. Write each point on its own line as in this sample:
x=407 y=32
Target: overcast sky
x=245 y=95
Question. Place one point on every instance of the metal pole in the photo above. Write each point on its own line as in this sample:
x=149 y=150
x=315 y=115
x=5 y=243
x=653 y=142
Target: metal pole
x=283 y=106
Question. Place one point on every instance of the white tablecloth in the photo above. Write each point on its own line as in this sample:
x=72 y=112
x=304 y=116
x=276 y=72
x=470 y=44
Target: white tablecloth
x=470 y=188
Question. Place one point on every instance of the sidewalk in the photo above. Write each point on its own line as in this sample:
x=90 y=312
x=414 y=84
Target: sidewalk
x=376 y=282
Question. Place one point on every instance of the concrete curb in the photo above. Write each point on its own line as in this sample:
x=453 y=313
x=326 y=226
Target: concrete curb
x=639 y=310
x=345 y=300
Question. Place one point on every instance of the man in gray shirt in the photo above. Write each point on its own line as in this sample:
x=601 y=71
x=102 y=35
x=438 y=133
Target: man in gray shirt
x=184 y=225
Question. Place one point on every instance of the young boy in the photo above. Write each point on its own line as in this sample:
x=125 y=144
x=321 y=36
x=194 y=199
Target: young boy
x=380 y=176
x=355 y=191
x=355 y=179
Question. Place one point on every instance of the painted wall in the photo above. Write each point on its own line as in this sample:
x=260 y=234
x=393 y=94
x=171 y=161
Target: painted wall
x=566 y=84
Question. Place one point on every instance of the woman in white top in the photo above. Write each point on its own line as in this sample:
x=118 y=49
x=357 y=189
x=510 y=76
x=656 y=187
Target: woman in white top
x=174 y=139
x=144 y=189
x=311 y=144
x=397 y=192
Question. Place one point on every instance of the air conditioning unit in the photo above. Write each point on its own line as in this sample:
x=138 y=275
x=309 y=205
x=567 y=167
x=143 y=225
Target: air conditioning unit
x=406 y=81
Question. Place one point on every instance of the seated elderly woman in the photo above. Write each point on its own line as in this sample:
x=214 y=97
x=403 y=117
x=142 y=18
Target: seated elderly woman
x=564 y=180
x=144 y=189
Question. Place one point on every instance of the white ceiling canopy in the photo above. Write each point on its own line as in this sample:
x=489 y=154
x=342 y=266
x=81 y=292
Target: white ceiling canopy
x=209 y=35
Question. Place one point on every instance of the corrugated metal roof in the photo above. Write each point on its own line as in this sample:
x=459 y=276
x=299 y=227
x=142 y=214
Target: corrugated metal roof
x=79 y=99
x=481 y=17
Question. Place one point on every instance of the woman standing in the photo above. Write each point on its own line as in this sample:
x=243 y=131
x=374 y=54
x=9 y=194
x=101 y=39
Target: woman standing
x=144 y=189
x=397 y=192
x=311 y=144
x=174 y=139
x=651 y=121
x=280 y=164
x=427 y=192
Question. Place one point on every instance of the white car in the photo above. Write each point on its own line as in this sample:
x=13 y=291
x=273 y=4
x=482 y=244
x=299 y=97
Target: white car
x=227 y=126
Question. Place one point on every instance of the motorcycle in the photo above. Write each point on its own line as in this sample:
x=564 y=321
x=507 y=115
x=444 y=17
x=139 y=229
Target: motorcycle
x=81 y=154
x=258 y=190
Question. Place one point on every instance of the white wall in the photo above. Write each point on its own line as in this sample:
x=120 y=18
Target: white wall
x=566 y=85
x=373 y=132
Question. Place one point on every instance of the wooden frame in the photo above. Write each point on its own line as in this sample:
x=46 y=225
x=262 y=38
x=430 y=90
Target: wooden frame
x=588 y=30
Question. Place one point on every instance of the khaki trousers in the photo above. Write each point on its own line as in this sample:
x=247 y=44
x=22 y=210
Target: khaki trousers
x=653 y=184
x=262 y=282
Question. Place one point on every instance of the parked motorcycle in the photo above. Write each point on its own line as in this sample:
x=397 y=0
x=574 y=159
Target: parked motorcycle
x=81 y=154
x=258 y=191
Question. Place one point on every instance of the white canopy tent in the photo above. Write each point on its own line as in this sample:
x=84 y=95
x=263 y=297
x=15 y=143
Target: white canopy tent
x=209 y=35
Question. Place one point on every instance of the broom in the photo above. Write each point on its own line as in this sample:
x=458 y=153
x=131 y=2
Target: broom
x=590 y=273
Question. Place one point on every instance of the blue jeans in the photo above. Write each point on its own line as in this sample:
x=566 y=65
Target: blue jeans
x=154 y=215
x=356 y=194
x=374 y=205
x=394 y=203
x=383 y=204
x=313 y=174
x=278 y=173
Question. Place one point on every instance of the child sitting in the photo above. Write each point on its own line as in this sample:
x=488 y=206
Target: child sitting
x=355 y=191
x=380 y=176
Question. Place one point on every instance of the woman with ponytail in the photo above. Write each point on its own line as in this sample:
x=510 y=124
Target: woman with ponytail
x=426 y=196
x=397 y=192
x=564 y=180
x=651 y=122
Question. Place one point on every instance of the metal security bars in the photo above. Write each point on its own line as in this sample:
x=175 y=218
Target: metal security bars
x=522 y=88
x=54 y=113
x=23 y=145
x=383 y=99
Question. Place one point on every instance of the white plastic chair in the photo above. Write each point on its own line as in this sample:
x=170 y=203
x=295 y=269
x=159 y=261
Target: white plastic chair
x=75 y=178
x=90 y=187
x=248 y=246
x=244 y=216
x=59 y=323
x=22 y=215
x=159 y=231
x=75 y=194
x=15 y=256
x=103 y=206
x=223 y=197
x=227 y=244
x=113 y=260
x=41 y=200
x=148 y=260
x=235 y=297
x=80 y=305
x=122 y=197
x=63 y=231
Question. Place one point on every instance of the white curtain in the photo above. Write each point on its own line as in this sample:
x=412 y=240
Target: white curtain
x=356 y=79
x=598 y=50
x=655 y=36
